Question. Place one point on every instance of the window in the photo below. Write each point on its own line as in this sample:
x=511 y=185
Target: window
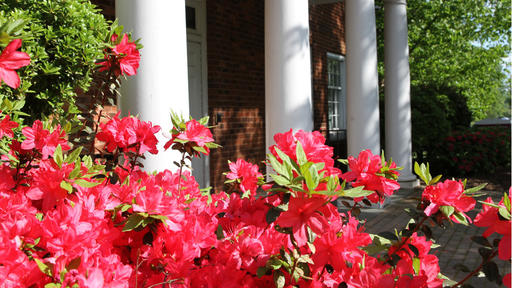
x=190 y=17
x=336 y=97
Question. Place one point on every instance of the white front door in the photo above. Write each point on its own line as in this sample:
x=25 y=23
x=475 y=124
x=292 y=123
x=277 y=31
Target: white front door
x=198 y=105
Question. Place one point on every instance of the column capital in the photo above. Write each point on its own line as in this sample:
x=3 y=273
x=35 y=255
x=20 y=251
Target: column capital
x=396 y=2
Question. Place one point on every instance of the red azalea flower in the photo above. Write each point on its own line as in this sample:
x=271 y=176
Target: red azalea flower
x=366 y=171
x=145 y=134
x=448 y=193
x=129 y=132
x=488 y=217
x=42 y=140
x=197 y=133
x=6 y=126
x=313 y=144
x=125 y=58
x=247 y=173
x=507 y=280
x=338 y=247
x=10 y=60
x=45 y=183
x=304 y=212
x=194 y=132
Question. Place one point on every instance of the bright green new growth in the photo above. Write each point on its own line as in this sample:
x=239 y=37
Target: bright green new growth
x=63 y=39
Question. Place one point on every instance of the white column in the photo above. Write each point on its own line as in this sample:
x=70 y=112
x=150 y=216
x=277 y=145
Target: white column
x=161 y=83
x=363 y=130
x=397 y=90
x=288 y=102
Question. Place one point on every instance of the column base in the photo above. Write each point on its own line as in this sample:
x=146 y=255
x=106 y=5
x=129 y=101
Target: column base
x=408 y=181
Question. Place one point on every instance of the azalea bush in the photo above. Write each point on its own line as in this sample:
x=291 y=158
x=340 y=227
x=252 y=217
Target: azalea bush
x=64 y=39
x=474 y=151
x=68 y=220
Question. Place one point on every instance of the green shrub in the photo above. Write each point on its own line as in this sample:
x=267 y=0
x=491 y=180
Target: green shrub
x=435 y=113
x=63 y=38
x=473 y=151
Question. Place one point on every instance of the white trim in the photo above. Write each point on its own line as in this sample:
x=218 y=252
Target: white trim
x=335 y=56
x=341 y=114
x=198 y=35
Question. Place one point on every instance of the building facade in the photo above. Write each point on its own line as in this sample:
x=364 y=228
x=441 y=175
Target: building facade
x=257 y=68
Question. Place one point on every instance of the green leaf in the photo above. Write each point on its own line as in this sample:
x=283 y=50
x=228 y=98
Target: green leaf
x=15 y=26
x=357 y=192
x=282 y=155
x=374 y=249
x=85 y=183
x=73 y=156
x=212 y=145
x=332 y=183
x=490 y=204
x=280 y=180
x=279 y=279
x=435 y=180
x=219 y=233
x=423 y=172
x=461 y=218
x=161 y=218
x=506 y=202
x=475 y=189
x=87 y=161
x=134 y=221
x=447 y=282
x=380 y=240
x=301 y=155
x=416 y=265
x=504 y=212
x=311 y=177
x=447 y=210
x=274 y=263
x=57 y=156
x=76 y=170
x=311 y=247
x=66 y=186
x=261 y=271
x=286 y=256
x=200 y=149
x=46 y=268
x=204 y=121
x=278 y=167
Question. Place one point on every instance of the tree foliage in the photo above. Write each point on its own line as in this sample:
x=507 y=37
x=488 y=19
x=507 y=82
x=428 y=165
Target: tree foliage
x=459 y=45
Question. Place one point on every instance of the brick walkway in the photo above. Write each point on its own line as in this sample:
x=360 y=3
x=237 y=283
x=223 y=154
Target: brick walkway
x=456 y=246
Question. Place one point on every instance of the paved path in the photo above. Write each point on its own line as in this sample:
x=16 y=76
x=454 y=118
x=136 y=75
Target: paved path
x=456 y=246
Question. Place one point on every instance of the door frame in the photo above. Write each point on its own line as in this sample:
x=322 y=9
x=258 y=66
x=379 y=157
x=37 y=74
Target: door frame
x=198 y=35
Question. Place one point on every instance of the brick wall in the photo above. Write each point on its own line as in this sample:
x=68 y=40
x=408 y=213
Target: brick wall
x=236 y=82
x=236 y=74
x=107 y=8
x=327 y=34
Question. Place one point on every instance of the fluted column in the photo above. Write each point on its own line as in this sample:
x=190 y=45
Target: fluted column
x=363 y=130
x=397 y=90
x=288 y=102
x=161 y=84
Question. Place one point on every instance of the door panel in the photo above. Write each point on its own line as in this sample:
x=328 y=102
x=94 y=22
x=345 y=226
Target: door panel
x=196 y=99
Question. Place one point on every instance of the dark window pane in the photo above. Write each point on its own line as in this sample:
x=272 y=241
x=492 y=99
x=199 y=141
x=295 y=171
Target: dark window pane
x=190 y=16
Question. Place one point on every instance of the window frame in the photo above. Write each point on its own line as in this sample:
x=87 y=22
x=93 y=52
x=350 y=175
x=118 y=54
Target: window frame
x=336 y=94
